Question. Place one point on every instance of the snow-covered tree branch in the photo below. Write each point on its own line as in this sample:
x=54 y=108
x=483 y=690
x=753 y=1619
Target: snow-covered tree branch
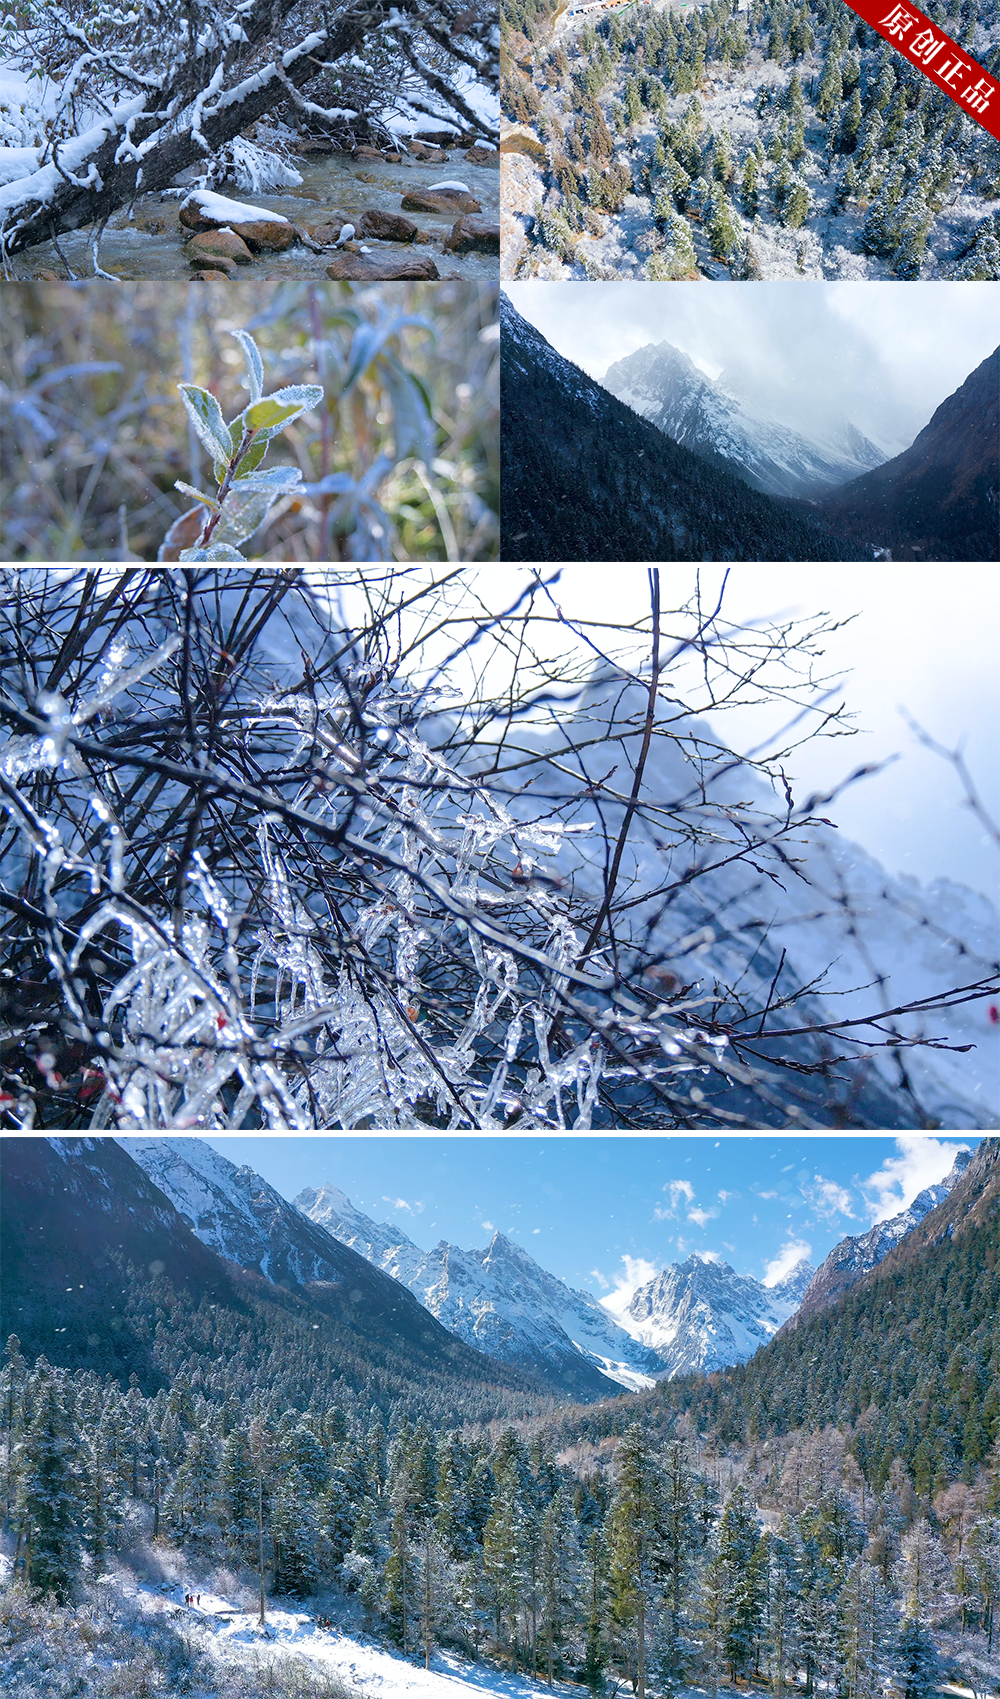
x=270 y=863
x=125 y=126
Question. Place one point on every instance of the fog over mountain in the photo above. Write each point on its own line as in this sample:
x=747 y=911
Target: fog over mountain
x=883 y=357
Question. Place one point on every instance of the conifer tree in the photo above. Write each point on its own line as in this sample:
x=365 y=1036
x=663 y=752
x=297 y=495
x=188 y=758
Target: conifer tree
x=741 y=1557
x=749 y=191
x=723 y=230
x=869 y=1630
x=559 y=1580
x=399 y=1596
x=51 y=1504
x=633 y=1568
x=238 y=1486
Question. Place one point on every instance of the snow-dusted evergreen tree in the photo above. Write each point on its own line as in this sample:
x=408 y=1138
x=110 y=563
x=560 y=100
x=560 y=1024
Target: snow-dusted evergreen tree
x=51 y=1505
x=869 y=1631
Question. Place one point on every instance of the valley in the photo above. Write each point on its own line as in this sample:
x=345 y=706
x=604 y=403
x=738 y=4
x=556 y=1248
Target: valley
x=659 y=462
x=820 y=1518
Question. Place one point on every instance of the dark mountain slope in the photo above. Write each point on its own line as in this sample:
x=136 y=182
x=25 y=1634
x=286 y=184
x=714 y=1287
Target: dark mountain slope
x=940 y=499
x=584 y=478
x=238 y=1215
x=99 y=1271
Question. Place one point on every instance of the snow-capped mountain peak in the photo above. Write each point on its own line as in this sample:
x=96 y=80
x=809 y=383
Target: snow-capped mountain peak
x=700 y=1314
x=498 y=1299
x=714 y=419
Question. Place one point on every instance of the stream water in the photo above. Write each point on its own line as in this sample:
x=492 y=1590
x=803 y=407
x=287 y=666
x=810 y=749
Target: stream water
x=150 y=244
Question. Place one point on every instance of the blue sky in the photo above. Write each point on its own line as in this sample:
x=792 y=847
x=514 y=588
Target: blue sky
x=605 y=1214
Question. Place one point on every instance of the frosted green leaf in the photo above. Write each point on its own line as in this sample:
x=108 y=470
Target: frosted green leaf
x=255 y=365
x=199 y=495
x=276 y=480
x=279 y=409
x=265 y=415
x=242 y=513
x=206 y=417
x=253 y=457
x=217 y=551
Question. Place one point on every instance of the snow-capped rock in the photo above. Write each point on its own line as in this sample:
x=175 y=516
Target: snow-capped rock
x=701 y=1315
x=855 y=1256
x=663 y=385
x=498 y=1299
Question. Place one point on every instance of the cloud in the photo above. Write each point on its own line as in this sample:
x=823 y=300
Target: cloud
x=708 y=1256
x=638 y=1272
x=729 y=1197
x=791 y=1252
x=679 y=1189
x=536 y=1229
x=401 y=1203
x=599 y=1280
x=827 y=1198
x=921 y=1162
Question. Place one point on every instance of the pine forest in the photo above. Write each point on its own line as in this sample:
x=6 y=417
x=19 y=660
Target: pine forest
x=760 y=141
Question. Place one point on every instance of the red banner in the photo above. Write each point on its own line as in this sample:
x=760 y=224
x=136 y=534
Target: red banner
x=947 y=65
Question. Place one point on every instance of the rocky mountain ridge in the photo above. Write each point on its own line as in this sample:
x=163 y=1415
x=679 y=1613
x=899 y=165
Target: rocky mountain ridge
x=857 y=1255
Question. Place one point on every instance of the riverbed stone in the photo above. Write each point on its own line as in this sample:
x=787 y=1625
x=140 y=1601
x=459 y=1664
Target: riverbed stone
x=431 y=155
x=469 y=234
x=439 y=200
x=257 y=233
x=482 y=156
x=220 y=245
x=386 y=226
x=212 y=276
x=383 y=268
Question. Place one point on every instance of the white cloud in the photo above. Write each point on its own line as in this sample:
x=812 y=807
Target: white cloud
x=728 y=1197
x=536 y=1229
x=599 y=1280
x=791 y=1252
x=921 y=1162
x=638 y=1272
x=679 y=1189
x=487 y=1226
x=827 y=1198
x=701 y=1217
x=401 y=1203
x=708 y=1256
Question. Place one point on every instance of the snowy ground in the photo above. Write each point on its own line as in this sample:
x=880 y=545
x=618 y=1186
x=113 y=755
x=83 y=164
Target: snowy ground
x=230 y=1631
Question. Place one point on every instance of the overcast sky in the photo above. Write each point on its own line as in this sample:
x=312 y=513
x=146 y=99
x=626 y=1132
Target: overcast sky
x=879 y=354
x=605 y=1214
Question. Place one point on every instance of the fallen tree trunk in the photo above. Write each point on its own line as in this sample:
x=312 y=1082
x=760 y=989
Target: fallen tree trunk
x=185 y=117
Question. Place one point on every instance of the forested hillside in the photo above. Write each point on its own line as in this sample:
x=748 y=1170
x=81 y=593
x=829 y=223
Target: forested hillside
x=906 y=1364
x=767 y=141
x=101 y=1275
x=826 y=1518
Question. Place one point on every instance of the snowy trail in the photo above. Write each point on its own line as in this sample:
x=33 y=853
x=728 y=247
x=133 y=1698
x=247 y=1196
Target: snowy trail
x=226 y=1630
